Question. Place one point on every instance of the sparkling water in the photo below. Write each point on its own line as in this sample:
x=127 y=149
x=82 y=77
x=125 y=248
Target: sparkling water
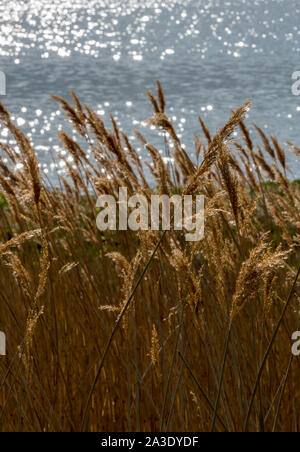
x=209 y=55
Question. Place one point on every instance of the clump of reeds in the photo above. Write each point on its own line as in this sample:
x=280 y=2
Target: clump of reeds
x=127 y=331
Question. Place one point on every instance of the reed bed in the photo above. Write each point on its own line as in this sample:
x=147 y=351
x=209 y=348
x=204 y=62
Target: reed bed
x=144 y=331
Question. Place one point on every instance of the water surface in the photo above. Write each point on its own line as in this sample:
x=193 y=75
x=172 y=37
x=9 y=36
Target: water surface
x=209 y=56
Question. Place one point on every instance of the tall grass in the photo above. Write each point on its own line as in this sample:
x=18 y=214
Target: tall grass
x=143 y=331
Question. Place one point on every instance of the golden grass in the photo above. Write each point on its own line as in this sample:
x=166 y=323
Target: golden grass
x=143 y=331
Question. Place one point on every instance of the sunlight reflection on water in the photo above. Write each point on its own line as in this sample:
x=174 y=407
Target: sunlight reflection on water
x=209 y=56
